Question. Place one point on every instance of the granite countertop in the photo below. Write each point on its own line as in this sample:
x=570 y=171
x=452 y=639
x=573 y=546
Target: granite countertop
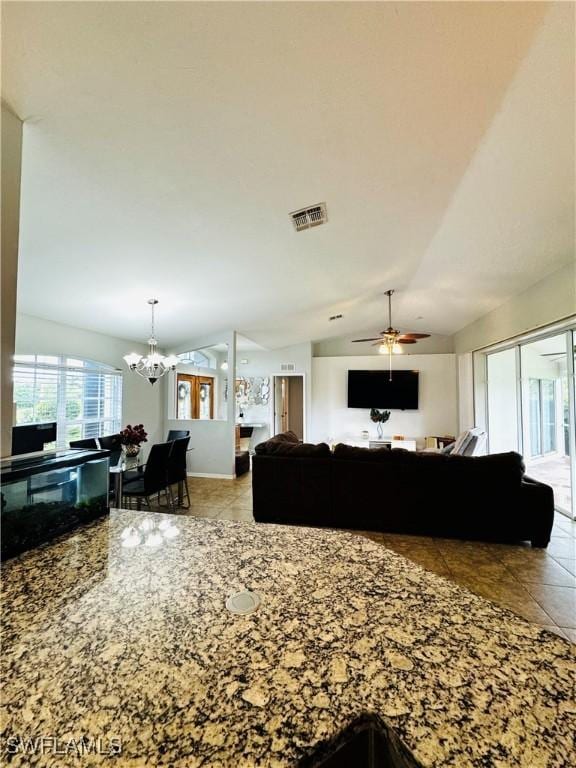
x=107 y=637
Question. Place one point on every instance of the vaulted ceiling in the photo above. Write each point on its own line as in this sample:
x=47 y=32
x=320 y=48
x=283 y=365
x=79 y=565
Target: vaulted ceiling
x=166 y=144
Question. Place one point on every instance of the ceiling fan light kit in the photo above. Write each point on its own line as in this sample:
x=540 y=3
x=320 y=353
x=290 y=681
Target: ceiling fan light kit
x=390 y=340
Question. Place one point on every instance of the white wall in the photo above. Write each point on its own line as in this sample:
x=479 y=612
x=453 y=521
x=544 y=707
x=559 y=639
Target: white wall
x=212 y=441
x=438 y=407
x=269 y=364
x=141 y=402
x=10 y=204
x=546 y=302
x=465 y=391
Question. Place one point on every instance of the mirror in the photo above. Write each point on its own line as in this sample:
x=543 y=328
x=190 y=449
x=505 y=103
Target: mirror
x=202 y=384
x=252 y=391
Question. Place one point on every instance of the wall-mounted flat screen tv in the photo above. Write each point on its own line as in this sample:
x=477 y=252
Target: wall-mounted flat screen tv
x=374 y=389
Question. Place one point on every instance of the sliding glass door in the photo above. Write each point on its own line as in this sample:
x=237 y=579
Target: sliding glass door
x=546 y=405
x=530 y=408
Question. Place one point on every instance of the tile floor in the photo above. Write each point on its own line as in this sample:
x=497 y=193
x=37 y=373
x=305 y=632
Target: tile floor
x=538 y=584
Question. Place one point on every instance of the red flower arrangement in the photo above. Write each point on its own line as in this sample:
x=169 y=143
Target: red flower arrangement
x=133 y=435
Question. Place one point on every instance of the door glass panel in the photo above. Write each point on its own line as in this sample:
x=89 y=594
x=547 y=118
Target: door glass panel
x=184 y=398
x=502 y=401
x=535 y=443
x=549 y=415
x=546 y=413
x=205 y=400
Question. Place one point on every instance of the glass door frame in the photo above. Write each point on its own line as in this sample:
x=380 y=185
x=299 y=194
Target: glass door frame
x=480 y=356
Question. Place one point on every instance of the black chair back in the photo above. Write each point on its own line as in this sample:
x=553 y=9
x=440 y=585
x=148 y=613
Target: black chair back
x=177 y=434
x=177 y=463
x=110 y=442
x=156 y=469
x=88 y=442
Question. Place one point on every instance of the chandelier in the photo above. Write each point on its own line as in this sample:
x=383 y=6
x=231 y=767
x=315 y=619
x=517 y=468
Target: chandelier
x=154 y=365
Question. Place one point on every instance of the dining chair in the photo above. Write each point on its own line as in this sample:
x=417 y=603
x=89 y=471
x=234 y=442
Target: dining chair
x=153 y=480
x=112 y=443
x=177 y=470
x=87 y=442
x=177 y=434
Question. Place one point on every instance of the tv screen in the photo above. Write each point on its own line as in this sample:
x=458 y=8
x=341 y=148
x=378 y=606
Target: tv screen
x=373 y=389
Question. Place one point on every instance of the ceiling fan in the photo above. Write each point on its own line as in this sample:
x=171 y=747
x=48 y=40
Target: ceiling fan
x=390 y=340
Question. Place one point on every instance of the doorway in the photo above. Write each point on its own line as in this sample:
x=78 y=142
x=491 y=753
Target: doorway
x=289 y=404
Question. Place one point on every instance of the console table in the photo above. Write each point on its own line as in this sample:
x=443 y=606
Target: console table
x=409 y=443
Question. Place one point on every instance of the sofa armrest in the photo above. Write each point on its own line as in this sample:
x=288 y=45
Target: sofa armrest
x=537 y=501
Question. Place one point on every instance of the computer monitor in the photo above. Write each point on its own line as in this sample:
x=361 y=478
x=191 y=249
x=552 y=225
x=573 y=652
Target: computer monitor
x=29 y=438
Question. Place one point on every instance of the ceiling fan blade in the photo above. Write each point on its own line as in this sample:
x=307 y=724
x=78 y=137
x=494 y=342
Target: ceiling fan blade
x=407 y=341
x=415 y=335
x=355 y=341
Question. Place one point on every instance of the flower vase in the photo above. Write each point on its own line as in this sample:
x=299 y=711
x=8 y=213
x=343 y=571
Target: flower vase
x=131 y=450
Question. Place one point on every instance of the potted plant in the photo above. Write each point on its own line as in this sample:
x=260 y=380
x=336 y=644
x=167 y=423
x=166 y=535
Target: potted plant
x=131 y=438
x=379 y=418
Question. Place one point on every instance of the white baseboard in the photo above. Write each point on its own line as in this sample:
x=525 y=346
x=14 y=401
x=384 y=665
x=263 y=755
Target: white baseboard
x=212 y=475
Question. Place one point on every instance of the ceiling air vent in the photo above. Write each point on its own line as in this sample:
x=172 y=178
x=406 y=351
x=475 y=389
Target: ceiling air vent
x=309 y=217
x=287 y=367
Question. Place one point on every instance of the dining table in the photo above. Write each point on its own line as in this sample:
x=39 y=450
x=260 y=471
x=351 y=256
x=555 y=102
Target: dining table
x=134 y=464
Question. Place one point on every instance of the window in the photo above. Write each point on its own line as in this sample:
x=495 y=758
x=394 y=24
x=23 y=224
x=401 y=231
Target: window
x=84 y=398
x=197 y=358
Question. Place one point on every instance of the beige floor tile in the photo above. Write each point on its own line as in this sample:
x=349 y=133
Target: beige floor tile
x=560 y=533
x=564 y=522
x=513 y=555
x=558 y=602
x=562 y=548
x=234 y=513
x=512 y=596
x=479 y=569
x=431 y=561
x=243 y=504
x=569 y=565
x=570 y=633
x=543 y=572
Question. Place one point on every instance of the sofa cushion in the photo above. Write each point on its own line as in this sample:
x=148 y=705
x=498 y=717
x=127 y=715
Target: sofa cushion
x=504 y=468
x=357 y=453
x=275 y=447
x=285 y=437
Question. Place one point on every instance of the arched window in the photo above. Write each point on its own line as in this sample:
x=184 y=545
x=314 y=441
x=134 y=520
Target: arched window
x=84 y=398
x=197 y=358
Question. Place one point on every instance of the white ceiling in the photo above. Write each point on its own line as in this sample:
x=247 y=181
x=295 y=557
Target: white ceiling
x=165 y=144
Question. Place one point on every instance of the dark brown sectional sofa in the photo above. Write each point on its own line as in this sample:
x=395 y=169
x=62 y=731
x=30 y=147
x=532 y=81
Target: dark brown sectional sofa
x=483 y=497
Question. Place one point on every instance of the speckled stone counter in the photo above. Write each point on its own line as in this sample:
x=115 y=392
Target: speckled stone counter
x=120 y=632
